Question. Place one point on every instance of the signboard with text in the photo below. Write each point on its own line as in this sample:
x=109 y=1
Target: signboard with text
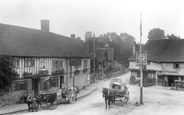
x=141 y=58
x=75 y=62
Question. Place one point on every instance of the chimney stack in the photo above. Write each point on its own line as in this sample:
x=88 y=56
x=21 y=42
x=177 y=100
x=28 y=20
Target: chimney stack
x=73 y=36
x=45 y=25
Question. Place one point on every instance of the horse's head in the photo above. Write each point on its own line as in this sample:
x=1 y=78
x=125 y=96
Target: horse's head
x=23 y=99
x=104 y=92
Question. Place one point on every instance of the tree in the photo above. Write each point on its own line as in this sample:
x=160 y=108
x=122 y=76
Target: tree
x=172 y=36
x=7 y=74
x=156 y=34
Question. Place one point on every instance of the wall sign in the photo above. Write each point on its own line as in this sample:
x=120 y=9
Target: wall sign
x=75 y=62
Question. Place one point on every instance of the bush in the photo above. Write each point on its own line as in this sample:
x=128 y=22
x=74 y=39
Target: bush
x=149 y=81
x=132 y=79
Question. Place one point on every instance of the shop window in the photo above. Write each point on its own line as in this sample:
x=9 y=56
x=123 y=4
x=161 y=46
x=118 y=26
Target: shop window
x=85 y=63
x=19 y=85
x=5 y=90
x=77 y=67
x=52 y=82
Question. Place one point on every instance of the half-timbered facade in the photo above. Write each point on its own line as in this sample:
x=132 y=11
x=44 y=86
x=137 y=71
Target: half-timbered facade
x=42 y=60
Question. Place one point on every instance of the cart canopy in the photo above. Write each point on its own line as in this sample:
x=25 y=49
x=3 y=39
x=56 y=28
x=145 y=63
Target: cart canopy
x=117 y=84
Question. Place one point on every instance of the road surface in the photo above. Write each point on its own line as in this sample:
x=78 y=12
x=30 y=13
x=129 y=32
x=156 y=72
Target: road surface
x=157 y=101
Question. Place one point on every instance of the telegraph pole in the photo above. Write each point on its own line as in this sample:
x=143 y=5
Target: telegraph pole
x=94 y=75
x=141 y=65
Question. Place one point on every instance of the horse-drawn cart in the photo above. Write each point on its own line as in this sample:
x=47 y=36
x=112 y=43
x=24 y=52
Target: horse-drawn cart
x=43 y=101
x=120 y=90
x=47 y=101
x=67 y=94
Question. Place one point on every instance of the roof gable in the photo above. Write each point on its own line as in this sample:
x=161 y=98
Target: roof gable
x=100 y=55
x=110 y=53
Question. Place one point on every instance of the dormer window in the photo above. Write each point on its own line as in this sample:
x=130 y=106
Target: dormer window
x=176 y=65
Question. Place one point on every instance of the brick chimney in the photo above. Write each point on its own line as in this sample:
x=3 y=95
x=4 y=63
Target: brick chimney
x=45 y=25
x=73 y=36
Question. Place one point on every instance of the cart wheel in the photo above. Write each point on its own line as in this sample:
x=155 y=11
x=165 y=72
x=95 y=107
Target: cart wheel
x=51 y=105
x=72 y=99
x=43 y=105
x=128 y=96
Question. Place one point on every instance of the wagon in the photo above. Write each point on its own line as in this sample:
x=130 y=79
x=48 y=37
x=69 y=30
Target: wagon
x=67 y=94
x=120 y=89
x=47 y=101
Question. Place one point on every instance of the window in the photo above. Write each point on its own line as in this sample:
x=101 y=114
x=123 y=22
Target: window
x=57 y=64
x=19 y=85
x=85 y=63
x=16 y=62
x=5 y=90
x=52 y=82
x=29 y=62
x=138 y=74
x=77 y=67
x=176 y=65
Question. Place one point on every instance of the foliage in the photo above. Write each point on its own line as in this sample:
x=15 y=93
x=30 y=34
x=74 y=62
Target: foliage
x=156 y=34
x=7 y=73
x=172 y=36
x=122 y=44
x=149 y=81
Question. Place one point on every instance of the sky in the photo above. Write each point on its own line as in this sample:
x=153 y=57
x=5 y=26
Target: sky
x=98 y=16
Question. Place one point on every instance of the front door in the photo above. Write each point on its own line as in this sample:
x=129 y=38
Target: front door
x=61 y=81
x=171 y=80
x=35 y=86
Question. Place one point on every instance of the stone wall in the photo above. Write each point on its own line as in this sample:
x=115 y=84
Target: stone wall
x=11 y=98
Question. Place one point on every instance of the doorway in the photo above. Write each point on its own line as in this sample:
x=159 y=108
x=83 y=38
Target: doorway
x=35 y=86
x=171 y=80
x=61 y=81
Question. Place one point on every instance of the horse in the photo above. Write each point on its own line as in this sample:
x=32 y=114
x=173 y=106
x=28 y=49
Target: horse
x=109 y=97
x=31 y=102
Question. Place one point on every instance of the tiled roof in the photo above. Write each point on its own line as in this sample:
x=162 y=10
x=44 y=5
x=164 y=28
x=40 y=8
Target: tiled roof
x=110 y=53
x=100 y=54
x=21 y=41
x=164 y=50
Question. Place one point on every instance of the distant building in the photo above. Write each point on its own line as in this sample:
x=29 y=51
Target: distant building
x=165 y=61
x=88 y=35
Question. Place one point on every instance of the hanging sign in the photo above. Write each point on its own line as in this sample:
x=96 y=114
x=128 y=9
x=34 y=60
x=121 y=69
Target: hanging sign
x=75 y=62
x=141 y=59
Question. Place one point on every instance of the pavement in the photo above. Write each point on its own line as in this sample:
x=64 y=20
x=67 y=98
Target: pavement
x=11 y=109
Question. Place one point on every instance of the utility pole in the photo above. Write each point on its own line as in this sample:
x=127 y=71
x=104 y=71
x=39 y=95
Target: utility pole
x=94 y=75
x=141 y=65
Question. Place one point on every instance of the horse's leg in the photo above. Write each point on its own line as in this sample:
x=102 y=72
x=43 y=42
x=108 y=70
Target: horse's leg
x=114 y=101
x=105 y=102
x=109 y=102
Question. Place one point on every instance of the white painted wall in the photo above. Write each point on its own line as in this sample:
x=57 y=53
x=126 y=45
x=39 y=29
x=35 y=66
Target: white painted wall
x=166 y=68
x=154 y=66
